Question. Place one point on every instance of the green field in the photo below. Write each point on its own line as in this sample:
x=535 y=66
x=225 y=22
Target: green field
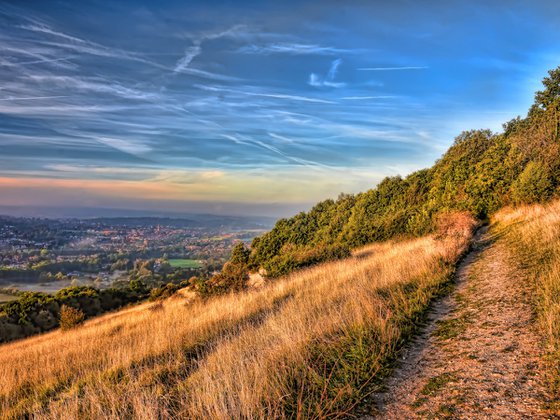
x=184 y=263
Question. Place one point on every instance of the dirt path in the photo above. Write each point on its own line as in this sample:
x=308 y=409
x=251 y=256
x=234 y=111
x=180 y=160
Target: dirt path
x=479 y=356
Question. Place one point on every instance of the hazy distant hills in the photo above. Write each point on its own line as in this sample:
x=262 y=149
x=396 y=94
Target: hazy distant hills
x=141 y=217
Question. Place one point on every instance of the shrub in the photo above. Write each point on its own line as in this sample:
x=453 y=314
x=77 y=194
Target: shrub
x=138 y=286
x=454 y=223
x=233 y=277
x=164 y=292
x=70 y=317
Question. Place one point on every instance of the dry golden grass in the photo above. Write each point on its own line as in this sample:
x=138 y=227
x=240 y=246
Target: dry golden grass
x=533 y=233
x=312 y=344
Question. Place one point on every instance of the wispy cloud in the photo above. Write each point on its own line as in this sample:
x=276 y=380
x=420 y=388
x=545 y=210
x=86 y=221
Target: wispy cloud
x=40 y=55
x=196 y=49
x=47 y=109
x=295 y=159
x=291 y=97
x=234 y=139
x=97 y=84
x=186 y=60
x=81 y=99
x=208 y=75
x=102 y=51
x=44 y=29
x=293 y=49
x=83 y=46
x=299 y=98
x=334 y=69
x=127 y=146
x=66 y=42
x=84 y=169
x=31 y=98
x=393 y=68
x=293 y=117
x=279 y=137
x=239 y=31
x=327 y=81
x=365 y=98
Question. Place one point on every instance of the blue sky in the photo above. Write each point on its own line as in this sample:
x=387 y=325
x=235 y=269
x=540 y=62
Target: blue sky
x=251 y=107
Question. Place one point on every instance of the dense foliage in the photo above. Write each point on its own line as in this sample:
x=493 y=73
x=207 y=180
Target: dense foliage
x=480 y=173
x=35 y=312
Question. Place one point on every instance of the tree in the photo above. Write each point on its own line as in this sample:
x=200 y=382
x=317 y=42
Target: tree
x=240 y=254
x=551 y=93
x=137 y=286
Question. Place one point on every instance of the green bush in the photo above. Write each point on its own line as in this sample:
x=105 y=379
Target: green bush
x=233 y=277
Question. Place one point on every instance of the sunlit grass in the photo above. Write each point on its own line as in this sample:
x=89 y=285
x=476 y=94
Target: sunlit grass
x=312 y=344
x=533 y=234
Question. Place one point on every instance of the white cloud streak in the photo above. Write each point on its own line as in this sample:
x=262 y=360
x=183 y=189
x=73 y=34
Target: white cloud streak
x=292 y=49
x=97 y=85
x=334 y=69
x=266 y=95
x=281 y=138
x=365 y=98
x=127 y=146
x=32 y=98
x=192 y=52
x=186 y=60
x=393 y=68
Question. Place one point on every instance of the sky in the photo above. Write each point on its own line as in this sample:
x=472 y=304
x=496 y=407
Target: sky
x=251 y=108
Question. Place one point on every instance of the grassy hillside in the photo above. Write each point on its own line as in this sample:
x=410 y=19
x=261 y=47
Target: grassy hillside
x=311 y=344
x=481 y=173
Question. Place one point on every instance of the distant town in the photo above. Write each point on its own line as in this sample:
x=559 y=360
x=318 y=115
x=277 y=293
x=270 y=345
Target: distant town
x=50 y=254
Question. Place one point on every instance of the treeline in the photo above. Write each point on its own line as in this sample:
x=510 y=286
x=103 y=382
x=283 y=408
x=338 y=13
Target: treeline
x=480 y=173
x=35 y=312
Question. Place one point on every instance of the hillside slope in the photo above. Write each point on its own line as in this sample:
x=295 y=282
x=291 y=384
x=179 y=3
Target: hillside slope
x=323 y=342
x=312 y=344
x=481 y=173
